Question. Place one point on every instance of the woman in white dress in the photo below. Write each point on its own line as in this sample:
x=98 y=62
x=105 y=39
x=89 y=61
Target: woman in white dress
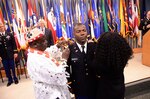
x=48 y=74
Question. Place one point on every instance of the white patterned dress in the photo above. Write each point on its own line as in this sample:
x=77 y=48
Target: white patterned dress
x=49 y=76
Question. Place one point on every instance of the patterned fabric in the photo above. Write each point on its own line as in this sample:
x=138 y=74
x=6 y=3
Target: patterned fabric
x=55 y=52
x=49 y=78
x=33 y=35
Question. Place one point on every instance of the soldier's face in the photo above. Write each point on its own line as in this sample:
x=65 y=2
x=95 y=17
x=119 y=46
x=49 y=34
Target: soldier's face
x=80 y=34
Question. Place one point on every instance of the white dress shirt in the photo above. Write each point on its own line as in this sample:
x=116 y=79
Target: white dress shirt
x=85 y=48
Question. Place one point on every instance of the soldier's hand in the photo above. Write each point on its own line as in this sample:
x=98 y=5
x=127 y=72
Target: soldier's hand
x=148 y=26
x=0 y=59
x=15 y=55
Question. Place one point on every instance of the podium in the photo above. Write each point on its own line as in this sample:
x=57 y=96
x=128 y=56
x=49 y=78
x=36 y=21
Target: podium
x=146 y=49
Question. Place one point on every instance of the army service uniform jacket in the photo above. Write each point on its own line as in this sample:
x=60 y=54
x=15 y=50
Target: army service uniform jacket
x=143 y=25
x=81 y=73
x=7 y=46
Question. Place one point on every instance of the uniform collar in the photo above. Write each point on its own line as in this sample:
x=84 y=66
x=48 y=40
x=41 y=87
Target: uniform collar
x=79 y=45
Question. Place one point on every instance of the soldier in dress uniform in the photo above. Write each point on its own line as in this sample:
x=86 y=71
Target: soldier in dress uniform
x=80 y=61
x=144 y=26
x=8 y=52
x=145 y=23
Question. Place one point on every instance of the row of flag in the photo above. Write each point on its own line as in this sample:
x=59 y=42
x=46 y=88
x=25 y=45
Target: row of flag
x=99 y=16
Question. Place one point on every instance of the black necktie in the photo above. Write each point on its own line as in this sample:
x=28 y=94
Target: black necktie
x=83 y=53
x=83 y=49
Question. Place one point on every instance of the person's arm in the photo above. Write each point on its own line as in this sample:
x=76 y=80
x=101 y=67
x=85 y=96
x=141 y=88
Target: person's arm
x=0 y=60
x=14 y=46
x=45 y=70
x=148 y=26
x=69 y=70
x=139 y=38
x=65 y=54
x=58 y=52
x=142 y=26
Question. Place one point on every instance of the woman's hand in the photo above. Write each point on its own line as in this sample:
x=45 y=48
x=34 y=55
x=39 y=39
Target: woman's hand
x=15 y=55
x=65 y=53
